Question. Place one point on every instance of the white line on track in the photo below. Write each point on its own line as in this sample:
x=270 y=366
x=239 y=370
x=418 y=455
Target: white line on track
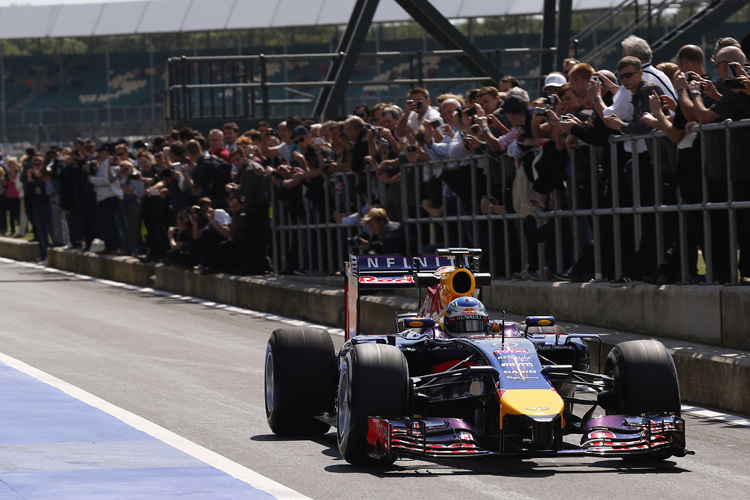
x=339 y=332
x=732 y=420
x=205 y=455
x=166 y=436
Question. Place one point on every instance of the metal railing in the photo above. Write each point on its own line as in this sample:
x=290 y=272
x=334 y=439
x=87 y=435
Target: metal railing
x=661 y=221
x=239 y=86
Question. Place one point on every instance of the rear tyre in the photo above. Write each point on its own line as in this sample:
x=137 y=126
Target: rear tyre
x=645 y=379
x=300 y=381
x=374 y=381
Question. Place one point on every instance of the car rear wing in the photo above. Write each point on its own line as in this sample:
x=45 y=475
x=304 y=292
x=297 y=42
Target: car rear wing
x=365 y=273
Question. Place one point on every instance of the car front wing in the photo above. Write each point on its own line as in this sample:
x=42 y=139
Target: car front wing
x=613 y=435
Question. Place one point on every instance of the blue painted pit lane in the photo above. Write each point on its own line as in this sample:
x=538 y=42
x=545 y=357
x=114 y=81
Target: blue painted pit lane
x=55 y=447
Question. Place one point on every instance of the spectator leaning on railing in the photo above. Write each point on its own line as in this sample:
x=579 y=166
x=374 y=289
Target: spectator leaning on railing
x=417 y=165
x=733 y=103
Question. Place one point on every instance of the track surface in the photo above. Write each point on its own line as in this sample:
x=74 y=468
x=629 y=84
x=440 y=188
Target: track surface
x=196 y=370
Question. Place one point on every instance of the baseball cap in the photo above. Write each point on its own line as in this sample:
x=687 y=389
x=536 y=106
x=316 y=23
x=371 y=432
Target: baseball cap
x=554 y=80
x=300 y=130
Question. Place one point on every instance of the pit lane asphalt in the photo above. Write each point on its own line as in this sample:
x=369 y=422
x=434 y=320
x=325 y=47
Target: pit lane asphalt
x=196 y=370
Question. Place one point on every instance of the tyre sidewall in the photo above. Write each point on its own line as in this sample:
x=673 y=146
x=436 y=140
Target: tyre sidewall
x=299 y=380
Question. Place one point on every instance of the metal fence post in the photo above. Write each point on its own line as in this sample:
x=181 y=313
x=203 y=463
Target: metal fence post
x=264 y=86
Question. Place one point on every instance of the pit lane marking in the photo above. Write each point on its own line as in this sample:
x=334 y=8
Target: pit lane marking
x=168 y=437
x=337 y=332
x=733 y=420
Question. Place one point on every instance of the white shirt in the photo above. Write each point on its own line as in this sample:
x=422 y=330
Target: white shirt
x=104 y=187
x=222 y=217
x=623 y=107
x=414 y=122
x=285 y=150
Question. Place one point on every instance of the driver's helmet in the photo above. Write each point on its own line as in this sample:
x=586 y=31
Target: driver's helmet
x=464 y=317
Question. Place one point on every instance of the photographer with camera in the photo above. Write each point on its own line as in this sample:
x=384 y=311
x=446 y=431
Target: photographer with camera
x=356 y=134
x=688 y=165
x=181 y=250
x=732 y=104
x=155 y=208
x=41 y=211
x=77 y=197
x=132 y=186
x=631 y=73
x=385 y=236
x=244 y=251
x=254 y=190
x=416 y=110
x=381 y=142
x=277 y=143
x=54 y=160
x=206 y=175
x=209 y=227
x=102 y=173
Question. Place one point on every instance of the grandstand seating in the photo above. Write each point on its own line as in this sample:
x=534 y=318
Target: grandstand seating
x=82 y=82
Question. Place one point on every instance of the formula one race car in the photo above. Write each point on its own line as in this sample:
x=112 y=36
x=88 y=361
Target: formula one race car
x=450 y=383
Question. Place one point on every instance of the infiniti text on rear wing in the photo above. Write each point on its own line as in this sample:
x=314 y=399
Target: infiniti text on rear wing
x=379 y=272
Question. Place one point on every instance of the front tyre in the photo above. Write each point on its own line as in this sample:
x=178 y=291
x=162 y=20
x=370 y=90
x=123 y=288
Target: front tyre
x=300 y=381
x=374 y=381
x=645 y=379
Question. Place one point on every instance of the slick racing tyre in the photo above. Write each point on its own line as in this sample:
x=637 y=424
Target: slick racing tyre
x=645 y=379
x=374 y=381
x=300 y=381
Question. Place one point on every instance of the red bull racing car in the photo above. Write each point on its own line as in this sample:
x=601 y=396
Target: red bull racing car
x=451 y=383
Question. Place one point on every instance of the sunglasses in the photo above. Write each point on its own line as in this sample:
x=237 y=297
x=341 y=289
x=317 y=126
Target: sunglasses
x=626 y=75
x=719 y=63
x=297 y=141
x=37 y=164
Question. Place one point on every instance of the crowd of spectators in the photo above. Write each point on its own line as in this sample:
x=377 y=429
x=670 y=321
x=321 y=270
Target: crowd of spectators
x=191 y=199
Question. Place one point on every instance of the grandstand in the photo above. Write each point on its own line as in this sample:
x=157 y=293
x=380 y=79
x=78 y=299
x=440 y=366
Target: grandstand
x=99 y=69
